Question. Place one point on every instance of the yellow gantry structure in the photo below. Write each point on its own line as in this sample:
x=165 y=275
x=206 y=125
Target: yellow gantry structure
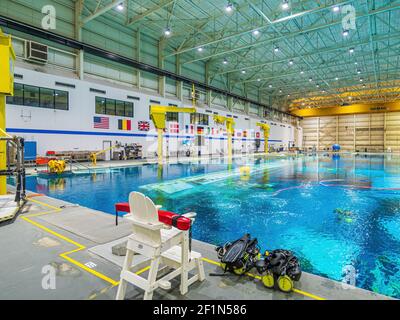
x=93 y=156
x=230 y=128
x=7 y=61
x=350 y=109
x=158 y=115
x=266 y=129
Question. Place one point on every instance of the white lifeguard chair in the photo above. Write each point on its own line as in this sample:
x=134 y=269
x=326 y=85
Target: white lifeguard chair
x=162 y=246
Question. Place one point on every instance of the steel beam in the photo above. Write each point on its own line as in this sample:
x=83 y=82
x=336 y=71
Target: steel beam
x=102 y=10
x=90 y=49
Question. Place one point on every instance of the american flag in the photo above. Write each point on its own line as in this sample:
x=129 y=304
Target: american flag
x=143 y=126
x=101 y=123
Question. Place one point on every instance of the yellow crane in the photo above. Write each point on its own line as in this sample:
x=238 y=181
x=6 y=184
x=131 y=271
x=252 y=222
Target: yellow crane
x=230 y=125
x=158 y=115
x=7 y=61
x=93 y=156
x=265 y=128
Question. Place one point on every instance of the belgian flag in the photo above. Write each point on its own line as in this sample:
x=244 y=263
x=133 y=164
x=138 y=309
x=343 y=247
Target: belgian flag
x=124 y=124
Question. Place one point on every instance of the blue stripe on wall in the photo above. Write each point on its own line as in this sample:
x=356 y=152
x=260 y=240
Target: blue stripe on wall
x=119 y=134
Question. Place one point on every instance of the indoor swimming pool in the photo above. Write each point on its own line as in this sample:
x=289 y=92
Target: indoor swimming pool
x=339 y=214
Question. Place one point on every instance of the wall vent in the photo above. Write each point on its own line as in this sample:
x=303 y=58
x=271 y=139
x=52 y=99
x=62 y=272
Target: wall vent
x=133 y=98
x=62 y=84
x=18 y=76
x=97 y=91
x=36 y=52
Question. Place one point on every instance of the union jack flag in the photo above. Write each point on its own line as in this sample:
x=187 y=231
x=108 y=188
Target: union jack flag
x=143 y=126
x=101 y=123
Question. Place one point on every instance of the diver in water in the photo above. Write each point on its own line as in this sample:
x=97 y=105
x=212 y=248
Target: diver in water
x=343 y=214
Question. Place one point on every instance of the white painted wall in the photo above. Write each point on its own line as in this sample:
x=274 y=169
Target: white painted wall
x=73 y=129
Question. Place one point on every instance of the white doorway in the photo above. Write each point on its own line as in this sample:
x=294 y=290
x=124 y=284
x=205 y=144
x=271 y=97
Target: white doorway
x=107 y=144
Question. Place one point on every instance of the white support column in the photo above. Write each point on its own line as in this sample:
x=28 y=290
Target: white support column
x=354 y=132
x=138 y=56
x=384 y=132
x=161 y=80
x=247 y=104
x=208 y=92
x=78 y=36
x=229 y=99
x=318 y=126
x=179 y=84
x=337 y=129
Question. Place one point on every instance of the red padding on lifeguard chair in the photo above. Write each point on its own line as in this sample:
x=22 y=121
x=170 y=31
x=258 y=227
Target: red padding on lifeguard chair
x=167 y=217
x=175 y=220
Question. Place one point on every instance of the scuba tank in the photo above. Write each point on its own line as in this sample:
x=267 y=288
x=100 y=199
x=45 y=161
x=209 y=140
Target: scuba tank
x=239 y=256
x=278 y=268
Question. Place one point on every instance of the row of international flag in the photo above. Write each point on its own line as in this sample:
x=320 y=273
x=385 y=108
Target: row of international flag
x=126 y=125
x=123 y=124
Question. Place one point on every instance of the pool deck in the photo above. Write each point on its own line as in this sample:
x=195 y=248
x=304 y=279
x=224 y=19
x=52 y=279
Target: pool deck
x=77 y=241
x=171 y=160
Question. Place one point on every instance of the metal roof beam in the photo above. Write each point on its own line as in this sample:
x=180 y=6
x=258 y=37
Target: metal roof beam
x=149 y=12
x=99 y=11
x=258 y=27
x=289 y=35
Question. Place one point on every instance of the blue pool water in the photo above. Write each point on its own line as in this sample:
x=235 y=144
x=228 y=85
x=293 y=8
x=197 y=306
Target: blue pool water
x=336 y=213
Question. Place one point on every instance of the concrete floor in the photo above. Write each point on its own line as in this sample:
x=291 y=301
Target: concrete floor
x=77 y=243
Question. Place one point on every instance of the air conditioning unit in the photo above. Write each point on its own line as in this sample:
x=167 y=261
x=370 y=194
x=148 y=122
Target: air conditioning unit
x=36 y=52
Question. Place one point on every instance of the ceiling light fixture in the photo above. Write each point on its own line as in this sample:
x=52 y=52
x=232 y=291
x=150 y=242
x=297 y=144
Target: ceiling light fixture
x=285 y=5
x=291 y=62
x=229 y=7
x=336 y=9
x=351 y=50
x=276 y=49
x=225 y=61
x=243 y=71
x=120 y=7
x=167 y=32
x=256 y=32
x=200 y=49
x=345 y=33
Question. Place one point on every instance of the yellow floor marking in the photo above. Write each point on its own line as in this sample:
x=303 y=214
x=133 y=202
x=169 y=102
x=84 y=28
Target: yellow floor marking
x=304 y=293
x=307 y=294
x=100 y=275
x=64 y=255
